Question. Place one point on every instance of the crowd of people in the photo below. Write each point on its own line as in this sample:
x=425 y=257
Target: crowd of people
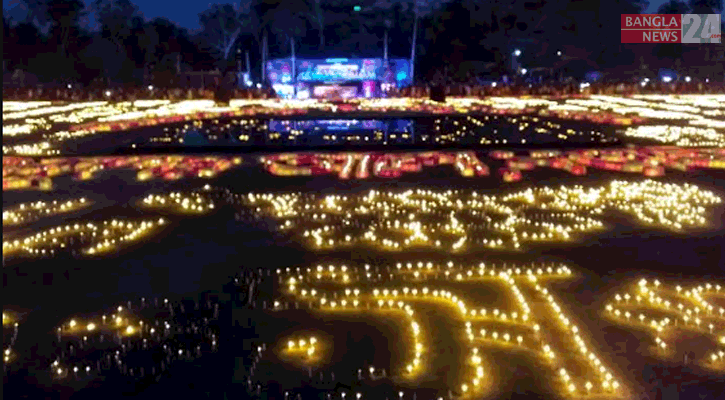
x=471 y=88
x=555 y=89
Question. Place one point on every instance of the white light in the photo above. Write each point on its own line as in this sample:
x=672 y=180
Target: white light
x=666 y=79
x=687 y=79
x=524 y=71
x=259 y=86
x=517 y=52
x=69 y=86
x=558 y=53
x=108 y=93
x=151 y=87
x=493 y=84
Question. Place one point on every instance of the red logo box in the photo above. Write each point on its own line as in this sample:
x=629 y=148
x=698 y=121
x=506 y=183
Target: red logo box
x=651 y=28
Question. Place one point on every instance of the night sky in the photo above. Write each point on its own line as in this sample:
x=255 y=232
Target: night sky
x=187 y=16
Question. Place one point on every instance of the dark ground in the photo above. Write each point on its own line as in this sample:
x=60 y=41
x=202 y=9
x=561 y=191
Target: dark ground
x=199 y=254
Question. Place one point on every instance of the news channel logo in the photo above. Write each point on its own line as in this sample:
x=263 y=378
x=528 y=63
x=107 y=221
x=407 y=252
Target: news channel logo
x=701 y=28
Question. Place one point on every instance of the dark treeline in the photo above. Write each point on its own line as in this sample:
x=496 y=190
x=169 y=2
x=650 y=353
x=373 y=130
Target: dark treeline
x=55 y=42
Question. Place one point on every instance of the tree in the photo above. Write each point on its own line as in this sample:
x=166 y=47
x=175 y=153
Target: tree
x=221 y=27
x=674 y=7
x=290 y=25
x=706 y=6
x=286 y=19
x=416 y=13
x=417 y=10
x=35 y=11
x=166 y=42
x=317 y=15
x=64 y=16
x=8 y=41
x=380 y=19
x=104 y=56
x=671 y=50
x=64 y=31
x=121 y=23
x=117 y=19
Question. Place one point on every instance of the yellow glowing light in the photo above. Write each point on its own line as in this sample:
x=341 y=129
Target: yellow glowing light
x=391 y=298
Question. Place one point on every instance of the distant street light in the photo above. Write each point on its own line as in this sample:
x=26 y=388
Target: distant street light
x=151 y=87
x=666 y=79
x=517 y=52
x=688 y=79
x=357 y=8
x=108 y=93
x=524 y=71
x=558 y=53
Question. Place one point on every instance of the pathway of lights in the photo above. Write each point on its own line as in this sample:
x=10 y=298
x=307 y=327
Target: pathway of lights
x=20 y=172
x=28 y=212
x=30 y=126
x=99 y=237
x=49 y=110
x=121 y=322
x=196 y=109
x=520 y=327
x=10 y=327
x=33 y=149
x=648 y=161
x=194 y=203
x=12 y=106
x=685 y=136
x=455 y=220
x=106 y=116
x=705 y=126
x=363 y=165
x=100 y=117
x=305 y=350
x=122 y=329
x=666 y=311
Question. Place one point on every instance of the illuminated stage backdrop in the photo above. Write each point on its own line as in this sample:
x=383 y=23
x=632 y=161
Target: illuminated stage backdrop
x=312 y=73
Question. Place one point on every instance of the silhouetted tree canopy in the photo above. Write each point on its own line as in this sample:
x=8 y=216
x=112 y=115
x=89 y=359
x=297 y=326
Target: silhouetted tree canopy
x=54 y=40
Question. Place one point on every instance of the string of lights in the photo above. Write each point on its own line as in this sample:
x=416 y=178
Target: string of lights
x=28 y=212
x=93 y=238
x=666 y=312
x=519 y=327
